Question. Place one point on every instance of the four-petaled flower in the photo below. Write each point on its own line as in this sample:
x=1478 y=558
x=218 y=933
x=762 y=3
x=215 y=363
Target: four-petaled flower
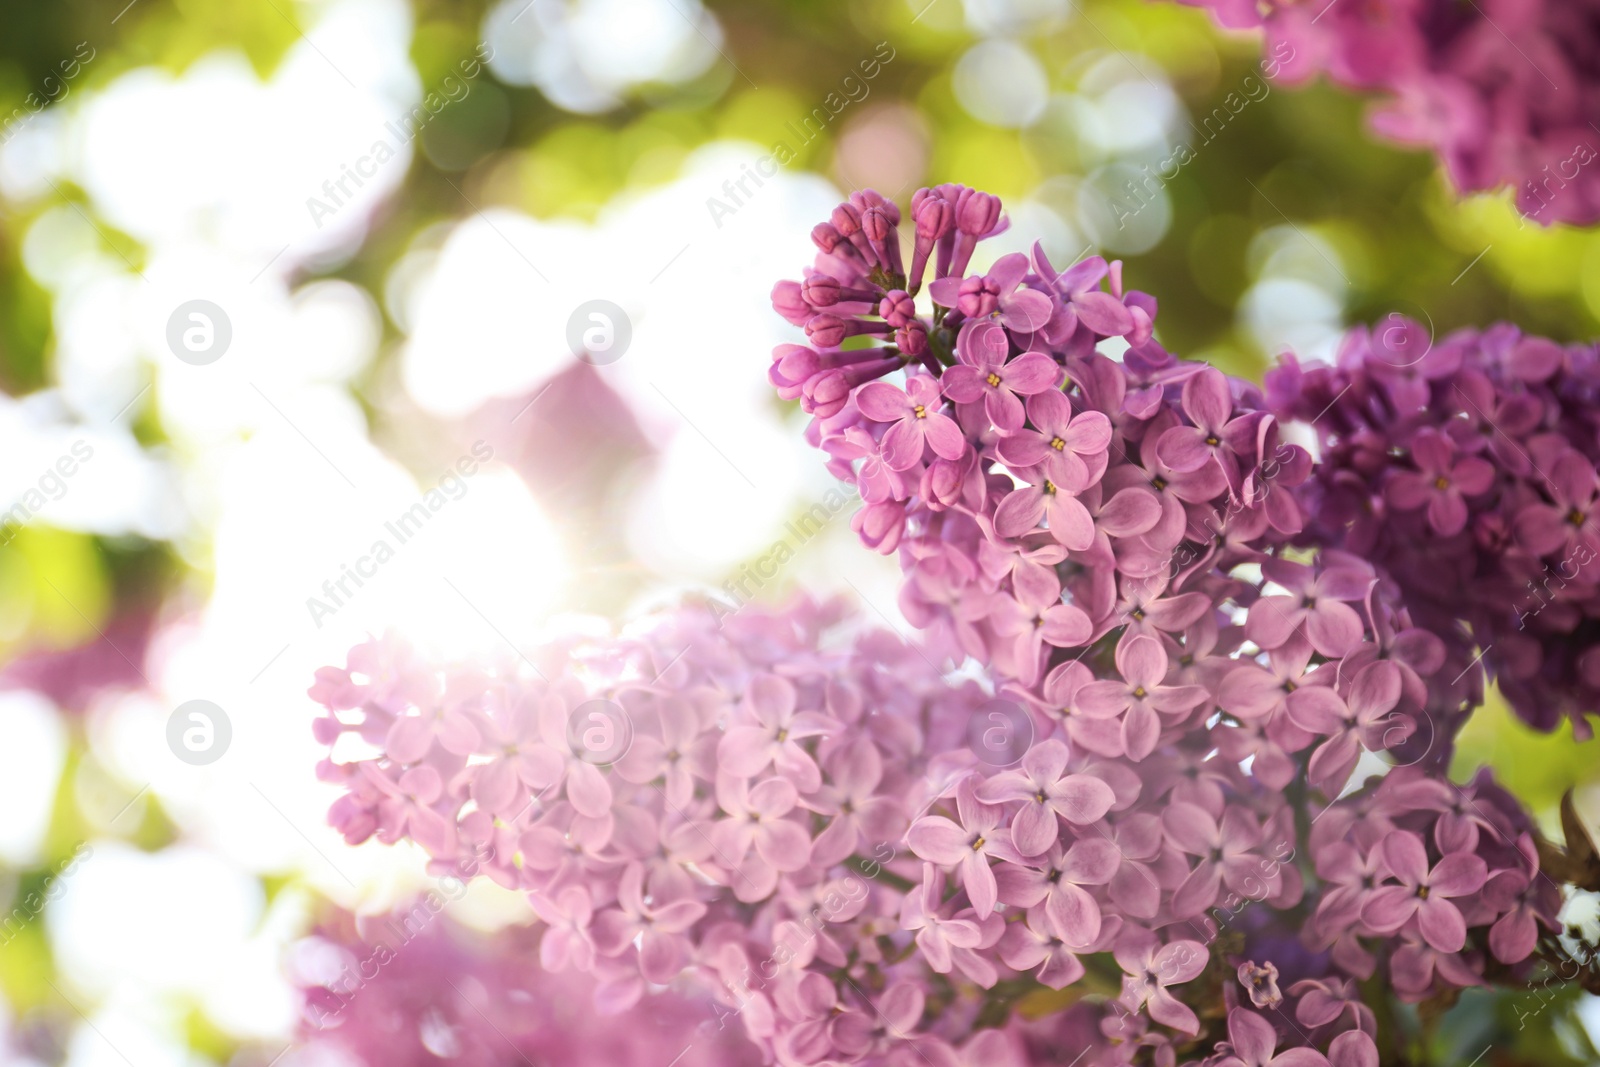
x=1046 y=792
x=917 y=421
x=1423 y=892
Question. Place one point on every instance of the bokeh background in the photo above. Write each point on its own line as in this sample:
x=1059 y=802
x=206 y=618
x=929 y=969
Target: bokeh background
x=397 y=214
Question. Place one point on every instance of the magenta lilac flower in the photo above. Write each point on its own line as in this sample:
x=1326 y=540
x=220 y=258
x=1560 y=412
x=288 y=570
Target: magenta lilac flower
x=1464 y=475
x=1503 y=91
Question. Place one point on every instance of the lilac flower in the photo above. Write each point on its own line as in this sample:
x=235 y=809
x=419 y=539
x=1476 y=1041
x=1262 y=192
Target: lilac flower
x=1564 y=525
x=1441 y=482
x=938 y=934
x=1315 y=605
x=1039 y=619
x=1414 y=965
x=1072 y=912
x=985 y=373
x=1254 y=692
x=566 y=942
x=1037 y=943
x=966 y=846
x=1150 y=967
x=1047 y=793
x=655 y=921
x=1422 y=892
x=850 y=797
x=756 y=821
x=1082 y=298
x=1261 y=982
x=1040 y=499
x=746 y=750
x=1216 y=436
x=1325 y=1002
x=1071 y=450
x=1359 y=720
x=1140 y=694
x=1254 y=1041
x=997 y=294
x=680 y=755
x=1226 y=854
x=917 y=421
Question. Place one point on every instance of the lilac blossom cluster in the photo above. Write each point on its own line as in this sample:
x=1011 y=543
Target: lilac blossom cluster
x=800 y=831
x=744 y=843
x=448 y=994
x=1503 y=91
x=1464 y=470
x=1125 y=546
x=1194 y=640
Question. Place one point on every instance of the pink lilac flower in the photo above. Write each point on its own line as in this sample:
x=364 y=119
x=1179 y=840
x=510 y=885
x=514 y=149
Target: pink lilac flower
x=1151 y=968
x=917 y=422
x=1072 y=912
x=1140 y=694
x=966 y=845
x=1254 y=1041
x=1423 y=892
x=987 y=373
x=1501 y=92
x=1441 y=483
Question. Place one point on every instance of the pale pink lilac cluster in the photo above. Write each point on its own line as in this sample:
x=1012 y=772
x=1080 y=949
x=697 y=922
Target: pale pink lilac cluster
x=745 y=844
x=1463 y=469
x=416 y=989
x=1503 y=91
x=803 y=835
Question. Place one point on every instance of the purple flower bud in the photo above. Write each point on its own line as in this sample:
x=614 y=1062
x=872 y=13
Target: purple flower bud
x=819 y=291
x=825 y=237
x=879 y=228
x=897 y=309
x=936 y=221
x=977 y=216
x=977 y=213
x=829 y=331
x=912 y=339
x=788 y=300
